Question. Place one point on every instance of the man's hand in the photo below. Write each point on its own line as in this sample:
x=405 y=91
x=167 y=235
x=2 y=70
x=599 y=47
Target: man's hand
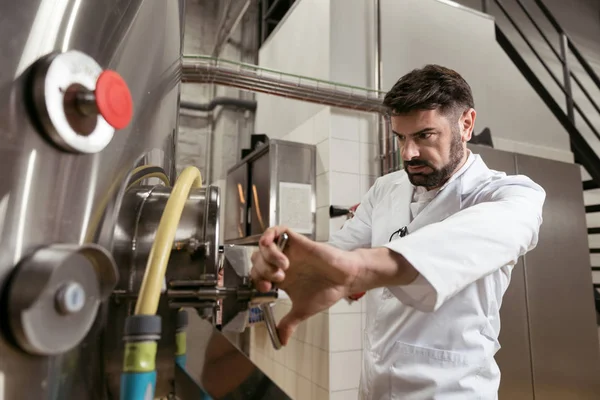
x=314 y=275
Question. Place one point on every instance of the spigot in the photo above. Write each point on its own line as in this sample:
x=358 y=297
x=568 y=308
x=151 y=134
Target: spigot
x=236 y=294
x=266 y=307
x=236 y=271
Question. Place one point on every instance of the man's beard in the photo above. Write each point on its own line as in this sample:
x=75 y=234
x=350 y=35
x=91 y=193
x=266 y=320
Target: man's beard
x=438 y=176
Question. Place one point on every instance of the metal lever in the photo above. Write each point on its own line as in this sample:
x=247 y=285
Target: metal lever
x=266 y=307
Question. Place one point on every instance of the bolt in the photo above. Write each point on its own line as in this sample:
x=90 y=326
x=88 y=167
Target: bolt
x=70 y=298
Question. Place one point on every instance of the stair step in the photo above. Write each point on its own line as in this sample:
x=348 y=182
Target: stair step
x=589 y=185
x=594 y=231
x=595 y=268
x=595 y=251
x=592 y=209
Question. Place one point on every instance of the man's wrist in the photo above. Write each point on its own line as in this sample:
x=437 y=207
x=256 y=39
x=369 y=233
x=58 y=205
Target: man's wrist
x=368 y=276
x=379 y=267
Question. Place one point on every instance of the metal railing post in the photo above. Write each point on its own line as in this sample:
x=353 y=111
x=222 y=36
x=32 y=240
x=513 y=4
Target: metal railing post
x=564 y=45
x=485 y=6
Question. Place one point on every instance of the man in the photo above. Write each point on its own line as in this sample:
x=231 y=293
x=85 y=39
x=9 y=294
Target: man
x=434 y=245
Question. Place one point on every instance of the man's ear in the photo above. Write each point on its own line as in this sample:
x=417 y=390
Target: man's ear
x=467 y=123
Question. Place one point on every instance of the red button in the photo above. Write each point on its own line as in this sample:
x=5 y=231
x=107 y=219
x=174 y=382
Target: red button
x=113 y=99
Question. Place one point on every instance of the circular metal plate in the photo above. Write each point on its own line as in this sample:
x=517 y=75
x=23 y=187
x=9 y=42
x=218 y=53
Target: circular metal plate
x=38 y=323
x=59 y=73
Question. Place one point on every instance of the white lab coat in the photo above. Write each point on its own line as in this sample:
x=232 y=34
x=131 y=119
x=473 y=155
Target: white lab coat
x=436 y=338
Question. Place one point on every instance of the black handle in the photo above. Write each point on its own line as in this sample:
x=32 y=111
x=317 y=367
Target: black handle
x=335 y=211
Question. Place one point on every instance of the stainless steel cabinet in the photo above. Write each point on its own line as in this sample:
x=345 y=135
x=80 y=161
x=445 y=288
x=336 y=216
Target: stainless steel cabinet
x=279 y=179
x=549 y=336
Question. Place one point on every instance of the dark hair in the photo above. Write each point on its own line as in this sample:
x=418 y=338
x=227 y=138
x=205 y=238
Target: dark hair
x=429 y=88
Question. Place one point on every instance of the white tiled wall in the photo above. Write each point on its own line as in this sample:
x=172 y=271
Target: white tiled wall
x=353 y=159
x=324 y=358
x=302 y=367
x=345 y=342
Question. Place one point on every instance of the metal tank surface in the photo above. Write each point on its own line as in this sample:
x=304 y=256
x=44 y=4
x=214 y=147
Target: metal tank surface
x=48 y=195
x=92 y=214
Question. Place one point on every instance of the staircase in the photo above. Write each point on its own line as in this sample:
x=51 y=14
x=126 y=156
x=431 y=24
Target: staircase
x=576 y=117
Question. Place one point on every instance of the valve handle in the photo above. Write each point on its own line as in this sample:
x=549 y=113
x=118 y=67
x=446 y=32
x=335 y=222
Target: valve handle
x=266 y=307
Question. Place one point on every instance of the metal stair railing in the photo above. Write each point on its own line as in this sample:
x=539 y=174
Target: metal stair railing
x=584 y=153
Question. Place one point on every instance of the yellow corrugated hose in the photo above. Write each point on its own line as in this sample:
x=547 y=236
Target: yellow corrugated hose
x=147 y=303
x=163 y=178
x=97 y=216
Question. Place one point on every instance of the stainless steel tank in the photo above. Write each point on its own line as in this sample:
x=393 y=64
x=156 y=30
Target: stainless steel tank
x=89 y=106
x=53 y=195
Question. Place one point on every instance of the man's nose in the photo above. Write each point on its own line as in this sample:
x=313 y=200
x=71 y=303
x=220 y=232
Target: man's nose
x=409 y=150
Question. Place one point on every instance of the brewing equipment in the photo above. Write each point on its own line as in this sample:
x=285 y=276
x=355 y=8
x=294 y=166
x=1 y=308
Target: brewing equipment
x=275 y=184
x=105 y=249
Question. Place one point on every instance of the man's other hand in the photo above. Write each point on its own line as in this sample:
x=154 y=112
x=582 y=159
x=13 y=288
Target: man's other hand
x=314 y=275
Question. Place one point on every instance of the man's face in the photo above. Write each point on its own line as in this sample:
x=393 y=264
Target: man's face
x=432 y=145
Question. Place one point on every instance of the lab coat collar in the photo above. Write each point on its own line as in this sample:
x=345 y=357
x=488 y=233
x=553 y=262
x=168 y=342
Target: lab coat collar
x=448 y=201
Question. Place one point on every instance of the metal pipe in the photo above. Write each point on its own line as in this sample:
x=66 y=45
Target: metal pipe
x=221 y=27
x=252 y=78
x=223 y=34
x=249 y=105
x=485 y=6
x=203 y=72
x=319 y=96
x=208 y=158
x=222 y=40
x=390 y=148
x=263 y=23
x=381 y=131
x=395 y=150
x=567 y=77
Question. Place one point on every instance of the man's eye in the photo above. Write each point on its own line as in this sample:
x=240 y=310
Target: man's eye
x=424 y=135
x=400 y=138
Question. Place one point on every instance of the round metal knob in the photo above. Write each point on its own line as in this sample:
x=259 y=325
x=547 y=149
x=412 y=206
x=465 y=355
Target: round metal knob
x=70 y=299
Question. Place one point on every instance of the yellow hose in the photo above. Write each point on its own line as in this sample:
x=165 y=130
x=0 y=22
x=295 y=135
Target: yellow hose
x=97 y=215
x=158 y=175
x=147 y=303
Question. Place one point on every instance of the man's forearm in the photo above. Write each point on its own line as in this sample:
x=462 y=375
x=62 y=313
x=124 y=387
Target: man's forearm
x=380 y=267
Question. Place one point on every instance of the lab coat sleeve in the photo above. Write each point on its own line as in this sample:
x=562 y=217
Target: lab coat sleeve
x=469 y=245
x=356 y=232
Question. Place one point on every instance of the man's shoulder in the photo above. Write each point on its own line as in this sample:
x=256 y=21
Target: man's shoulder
x=489 y=180
x=392 y=178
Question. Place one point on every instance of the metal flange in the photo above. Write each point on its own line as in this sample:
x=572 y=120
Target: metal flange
x=55 y=294
x=79 y=104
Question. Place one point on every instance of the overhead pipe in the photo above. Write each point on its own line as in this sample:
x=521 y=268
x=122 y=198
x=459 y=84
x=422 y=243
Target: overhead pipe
x=206 y=70
x=243 y=104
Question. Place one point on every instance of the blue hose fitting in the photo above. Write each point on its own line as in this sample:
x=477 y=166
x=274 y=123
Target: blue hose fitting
x=138 y=380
